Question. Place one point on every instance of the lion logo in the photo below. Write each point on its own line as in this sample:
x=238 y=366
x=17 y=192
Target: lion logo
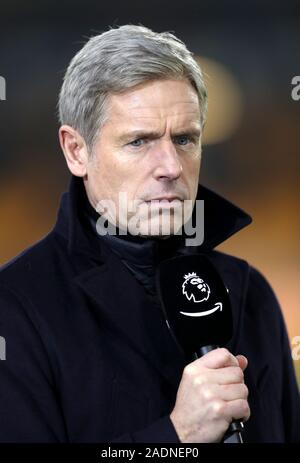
x=194 y=288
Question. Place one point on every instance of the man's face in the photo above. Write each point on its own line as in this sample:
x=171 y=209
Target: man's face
x=149 y=149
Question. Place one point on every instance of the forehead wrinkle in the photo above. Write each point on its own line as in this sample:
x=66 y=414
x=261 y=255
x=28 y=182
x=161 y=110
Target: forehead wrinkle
x=139 y=113
x=140 y=122
x=191 y=117
x=135 y=126
x=156 y=123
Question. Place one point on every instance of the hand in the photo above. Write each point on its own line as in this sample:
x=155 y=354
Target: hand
x=211 y=394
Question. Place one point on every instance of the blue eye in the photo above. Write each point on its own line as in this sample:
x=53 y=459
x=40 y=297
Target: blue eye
x=183 y=140
x=137 y=143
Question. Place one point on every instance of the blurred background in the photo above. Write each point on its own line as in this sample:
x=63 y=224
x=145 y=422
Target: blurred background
x=249 y=51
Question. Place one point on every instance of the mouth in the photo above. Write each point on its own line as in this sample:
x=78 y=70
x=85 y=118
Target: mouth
x=165 y=198
x=164 y=203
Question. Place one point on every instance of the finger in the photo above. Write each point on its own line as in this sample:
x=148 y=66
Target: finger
x=229 y=392
x=227 y=375
x=226 y=393
x=218 y=358
x=238 y=410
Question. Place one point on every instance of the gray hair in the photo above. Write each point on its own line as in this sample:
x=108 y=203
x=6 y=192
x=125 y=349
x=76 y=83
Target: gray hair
x=115 y=61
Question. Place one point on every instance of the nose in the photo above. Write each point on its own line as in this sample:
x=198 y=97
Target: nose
x=167 y=161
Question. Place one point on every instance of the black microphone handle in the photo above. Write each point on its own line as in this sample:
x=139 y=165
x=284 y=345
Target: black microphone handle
x=233 y=434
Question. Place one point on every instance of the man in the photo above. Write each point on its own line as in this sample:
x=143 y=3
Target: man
x=90 y=357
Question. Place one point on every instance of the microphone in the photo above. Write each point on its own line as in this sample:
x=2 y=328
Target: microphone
x=197 y=308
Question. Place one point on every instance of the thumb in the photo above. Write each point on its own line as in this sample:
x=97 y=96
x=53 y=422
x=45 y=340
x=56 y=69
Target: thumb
x=243 y=362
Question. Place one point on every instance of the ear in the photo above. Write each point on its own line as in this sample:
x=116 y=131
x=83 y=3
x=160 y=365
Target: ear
x=74 y=149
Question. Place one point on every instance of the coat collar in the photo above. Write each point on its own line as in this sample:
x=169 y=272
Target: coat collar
x=117 y=295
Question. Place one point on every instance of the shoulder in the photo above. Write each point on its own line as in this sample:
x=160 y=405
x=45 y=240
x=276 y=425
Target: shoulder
x=34 y=292
x=261 y=294
x=32 y=260
x=227 y=263
x=255 y=279
x=33 y=265
x=257 y=292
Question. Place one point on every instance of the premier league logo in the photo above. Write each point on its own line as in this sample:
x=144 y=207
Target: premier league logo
x=194 y=288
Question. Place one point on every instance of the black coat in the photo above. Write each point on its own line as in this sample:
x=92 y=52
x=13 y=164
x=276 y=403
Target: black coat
x=89 y=357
